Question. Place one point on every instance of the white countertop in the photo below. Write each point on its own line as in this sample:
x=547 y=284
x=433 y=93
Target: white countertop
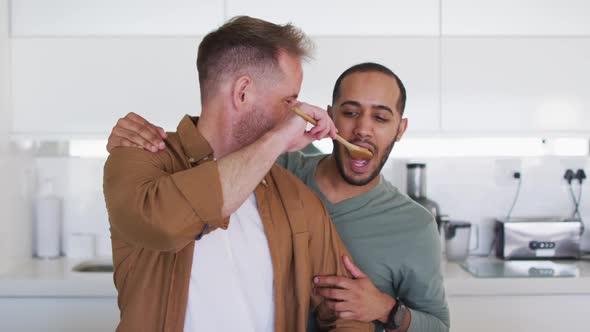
x=55 y=278
x=459 y=282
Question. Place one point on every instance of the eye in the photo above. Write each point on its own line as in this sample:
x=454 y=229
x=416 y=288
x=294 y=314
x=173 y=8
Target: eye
x=381 y=119
x=350 y=113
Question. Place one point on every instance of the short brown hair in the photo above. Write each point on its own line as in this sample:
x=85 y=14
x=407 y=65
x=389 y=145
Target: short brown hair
x=246 y=45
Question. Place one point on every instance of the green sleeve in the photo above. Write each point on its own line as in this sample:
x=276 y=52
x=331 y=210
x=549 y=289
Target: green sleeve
x=291 y=161
x=423 y=290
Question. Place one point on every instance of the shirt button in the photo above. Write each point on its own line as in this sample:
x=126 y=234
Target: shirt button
x=191 y=160
x=264 y=182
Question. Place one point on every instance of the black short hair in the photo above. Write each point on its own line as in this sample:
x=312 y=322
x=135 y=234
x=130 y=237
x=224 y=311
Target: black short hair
x=371 y=67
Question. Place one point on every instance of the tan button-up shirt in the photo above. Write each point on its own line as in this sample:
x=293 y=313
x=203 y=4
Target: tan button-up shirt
x=160 y=203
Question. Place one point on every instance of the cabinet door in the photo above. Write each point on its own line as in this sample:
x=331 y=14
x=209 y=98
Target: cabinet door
x=414 y=60
x=81 y=86
x=516 y=85
x=351 y=18
x=519 y=313
x=522 y=17
x=4 y=76
x=113 y=17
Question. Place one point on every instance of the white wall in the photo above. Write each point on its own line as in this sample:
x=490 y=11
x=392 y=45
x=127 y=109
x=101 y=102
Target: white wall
x=479 y=189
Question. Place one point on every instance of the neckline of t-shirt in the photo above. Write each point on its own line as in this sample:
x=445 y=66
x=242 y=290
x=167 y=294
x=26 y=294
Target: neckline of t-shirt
x=351 y=203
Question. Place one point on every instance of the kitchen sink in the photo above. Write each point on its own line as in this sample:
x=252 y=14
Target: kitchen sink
x=94 y=266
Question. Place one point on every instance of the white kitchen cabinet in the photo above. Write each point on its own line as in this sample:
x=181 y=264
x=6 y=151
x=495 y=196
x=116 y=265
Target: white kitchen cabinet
x=4 y=76
x=520 y=313
x=516 y=86
x=81 y=86
x=346 y=17
x=522 y=17
x=59 y=314
x=114 y=18
x=414 y=60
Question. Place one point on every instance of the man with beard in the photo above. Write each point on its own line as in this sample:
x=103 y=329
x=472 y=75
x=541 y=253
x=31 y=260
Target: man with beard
x=398 y=283
x=209 y=234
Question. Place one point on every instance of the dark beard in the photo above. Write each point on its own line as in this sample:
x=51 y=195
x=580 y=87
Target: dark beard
x=376 y=172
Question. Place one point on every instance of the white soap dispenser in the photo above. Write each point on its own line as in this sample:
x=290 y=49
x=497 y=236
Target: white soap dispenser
x=48 y=221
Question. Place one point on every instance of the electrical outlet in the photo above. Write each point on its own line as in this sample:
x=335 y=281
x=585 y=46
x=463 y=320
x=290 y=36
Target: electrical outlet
x=504 y=170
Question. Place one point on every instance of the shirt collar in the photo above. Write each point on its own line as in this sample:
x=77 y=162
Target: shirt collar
x=195 y=146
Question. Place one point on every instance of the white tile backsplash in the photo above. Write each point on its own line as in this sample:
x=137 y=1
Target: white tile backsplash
x=475 y=189
x=85 y=222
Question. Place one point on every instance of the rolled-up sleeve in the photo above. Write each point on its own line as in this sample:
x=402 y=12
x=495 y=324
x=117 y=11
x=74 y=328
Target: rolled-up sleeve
x=155 y=208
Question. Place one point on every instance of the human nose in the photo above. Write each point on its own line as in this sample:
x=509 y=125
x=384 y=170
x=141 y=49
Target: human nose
x=363 y=126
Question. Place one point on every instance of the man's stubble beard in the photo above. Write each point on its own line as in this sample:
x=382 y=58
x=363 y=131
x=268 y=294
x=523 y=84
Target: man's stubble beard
x=250 y=127
x=375 y=173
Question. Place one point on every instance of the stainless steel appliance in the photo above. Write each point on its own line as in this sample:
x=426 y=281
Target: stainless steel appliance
x=532 y=238
x=416 y=188
x=457 y=240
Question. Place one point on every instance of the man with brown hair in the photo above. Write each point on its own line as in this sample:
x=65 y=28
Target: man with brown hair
x=398 y=283
x=209 y=234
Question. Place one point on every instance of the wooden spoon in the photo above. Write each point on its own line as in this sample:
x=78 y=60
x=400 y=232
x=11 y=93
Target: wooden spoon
x=356 y=152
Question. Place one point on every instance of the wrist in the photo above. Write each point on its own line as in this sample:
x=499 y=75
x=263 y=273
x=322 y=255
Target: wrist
x=277 y=140
x=273 y=142
x=389 y=304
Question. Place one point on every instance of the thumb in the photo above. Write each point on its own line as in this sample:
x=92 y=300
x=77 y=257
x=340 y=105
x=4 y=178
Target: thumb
x=353 y=269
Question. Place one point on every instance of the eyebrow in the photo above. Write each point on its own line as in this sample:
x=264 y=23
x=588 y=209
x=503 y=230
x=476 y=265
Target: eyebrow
x=357 y=104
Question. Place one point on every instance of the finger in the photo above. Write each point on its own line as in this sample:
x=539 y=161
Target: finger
x=162 y=133
x=353 y=269
x=150 y=132
x=121 y=142
x=320 y=129
x=324 y=133
x=110 y=146
x=137 y=118
x=316 y=131
x=134 y=138
x=313 y=111
x=350 y=315
x=334 y=294
x=332 y=281
x=128 y=144
x=338 y=306
x=145 y=134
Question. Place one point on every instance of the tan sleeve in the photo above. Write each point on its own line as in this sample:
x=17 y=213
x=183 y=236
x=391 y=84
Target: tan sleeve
x=156 y=209
x=326 y=251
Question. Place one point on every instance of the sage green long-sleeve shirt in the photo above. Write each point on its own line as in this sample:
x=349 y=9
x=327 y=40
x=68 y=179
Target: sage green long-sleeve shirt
x=392 y=239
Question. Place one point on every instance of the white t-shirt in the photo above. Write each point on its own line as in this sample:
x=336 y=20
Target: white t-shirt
x=231 y=283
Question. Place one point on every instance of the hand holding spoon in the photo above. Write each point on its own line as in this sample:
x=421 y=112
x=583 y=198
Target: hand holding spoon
x=356 y=152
